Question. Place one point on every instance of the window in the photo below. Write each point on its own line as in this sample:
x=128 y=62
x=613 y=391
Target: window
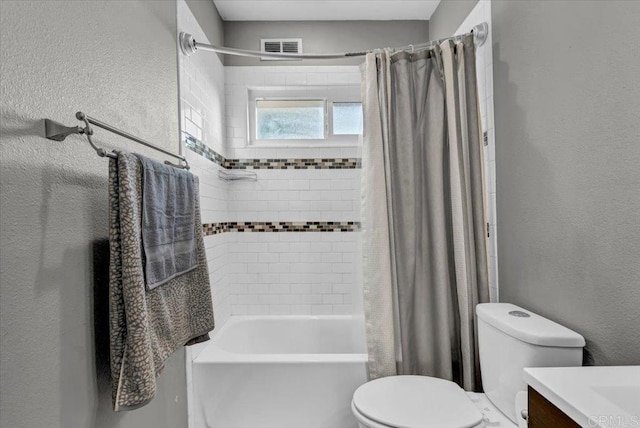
x=311 y=116
x=290 y=119
x=347 y=118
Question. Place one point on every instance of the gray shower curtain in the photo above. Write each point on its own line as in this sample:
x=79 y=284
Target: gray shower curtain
x=425 y=259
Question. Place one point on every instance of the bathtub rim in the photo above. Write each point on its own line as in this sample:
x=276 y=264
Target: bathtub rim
x=214 y=354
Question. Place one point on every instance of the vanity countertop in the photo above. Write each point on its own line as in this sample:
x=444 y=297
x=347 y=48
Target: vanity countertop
x=596 y=396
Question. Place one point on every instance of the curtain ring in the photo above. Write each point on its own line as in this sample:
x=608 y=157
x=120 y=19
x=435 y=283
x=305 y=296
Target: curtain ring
x=412 y=48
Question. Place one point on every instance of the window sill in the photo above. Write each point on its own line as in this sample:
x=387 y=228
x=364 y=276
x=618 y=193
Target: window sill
x=301 y=144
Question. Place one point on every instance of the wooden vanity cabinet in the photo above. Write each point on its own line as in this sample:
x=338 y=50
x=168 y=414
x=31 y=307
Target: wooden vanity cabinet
x=544 y=414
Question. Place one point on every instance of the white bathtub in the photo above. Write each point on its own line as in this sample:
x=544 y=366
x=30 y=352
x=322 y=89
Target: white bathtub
x=280 y=372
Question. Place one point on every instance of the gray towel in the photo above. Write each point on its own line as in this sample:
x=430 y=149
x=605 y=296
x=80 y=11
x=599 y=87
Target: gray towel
x=168 y=213
x=147 y=326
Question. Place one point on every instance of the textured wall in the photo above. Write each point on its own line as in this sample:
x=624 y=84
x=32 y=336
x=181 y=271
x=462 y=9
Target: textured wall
x=448 y=16
x=116 y=60
x=322 y=37
x=567 y=156
x=210 y=21
x=567 y=160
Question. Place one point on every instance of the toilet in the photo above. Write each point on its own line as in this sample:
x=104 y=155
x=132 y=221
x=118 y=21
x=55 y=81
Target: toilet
x=510 y=338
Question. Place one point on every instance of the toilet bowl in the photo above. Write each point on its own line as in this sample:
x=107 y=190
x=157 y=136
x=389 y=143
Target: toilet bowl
x=509 y=338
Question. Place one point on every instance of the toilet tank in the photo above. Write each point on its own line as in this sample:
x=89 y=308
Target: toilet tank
x=511 y=338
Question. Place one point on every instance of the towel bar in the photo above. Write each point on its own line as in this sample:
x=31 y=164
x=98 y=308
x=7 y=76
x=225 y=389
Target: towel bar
x=58 y=132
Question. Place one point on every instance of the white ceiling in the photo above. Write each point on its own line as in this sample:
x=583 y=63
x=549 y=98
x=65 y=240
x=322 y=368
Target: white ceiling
x=324 y=10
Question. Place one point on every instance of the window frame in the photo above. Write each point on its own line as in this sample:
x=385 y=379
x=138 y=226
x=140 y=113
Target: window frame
x=327 y=94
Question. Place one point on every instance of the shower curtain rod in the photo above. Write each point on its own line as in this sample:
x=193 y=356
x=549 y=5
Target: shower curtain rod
x=189 y=46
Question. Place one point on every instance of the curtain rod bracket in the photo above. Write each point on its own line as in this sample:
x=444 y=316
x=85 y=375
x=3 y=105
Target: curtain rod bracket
x=480 y=33
x=187 y=44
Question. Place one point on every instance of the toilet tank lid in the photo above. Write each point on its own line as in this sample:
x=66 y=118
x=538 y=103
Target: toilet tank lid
x=524 y=325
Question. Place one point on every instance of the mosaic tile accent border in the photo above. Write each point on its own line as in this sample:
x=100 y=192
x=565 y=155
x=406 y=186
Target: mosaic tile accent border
x=344 y=163
x=203 y=150
x=281 y=226
x=320 y=163
x=213 y=228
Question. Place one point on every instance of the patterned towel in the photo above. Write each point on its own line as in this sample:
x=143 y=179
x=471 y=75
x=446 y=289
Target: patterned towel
x=147 y=326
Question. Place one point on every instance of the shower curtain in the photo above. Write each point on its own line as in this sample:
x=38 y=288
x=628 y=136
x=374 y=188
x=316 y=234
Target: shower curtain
x=423 y=220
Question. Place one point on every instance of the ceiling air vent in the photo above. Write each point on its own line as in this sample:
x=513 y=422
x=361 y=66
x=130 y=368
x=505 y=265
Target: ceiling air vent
x=288 y=46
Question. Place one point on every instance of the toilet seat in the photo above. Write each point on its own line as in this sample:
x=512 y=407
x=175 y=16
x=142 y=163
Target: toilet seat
x=414 y=402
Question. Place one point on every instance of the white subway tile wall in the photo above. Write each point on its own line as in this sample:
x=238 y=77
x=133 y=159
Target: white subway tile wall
x=202 y=110
x=202 y=103
x=484 y=67
x=293 y=273
x=278 y=195
x=202 y=115
x=238 y=80
x=273 y=273
x=297 y=195
x=214 y=208
x=214 y=193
